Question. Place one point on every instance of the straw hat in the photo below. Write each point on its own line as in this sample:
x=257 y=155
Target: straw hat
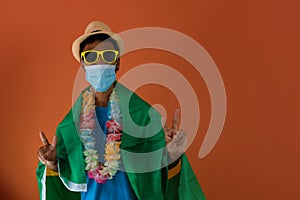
x=95 y=27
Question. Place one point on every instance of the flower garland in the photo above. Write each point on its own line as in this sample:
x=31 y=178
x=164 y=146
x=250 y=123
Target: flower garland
x=101 y=172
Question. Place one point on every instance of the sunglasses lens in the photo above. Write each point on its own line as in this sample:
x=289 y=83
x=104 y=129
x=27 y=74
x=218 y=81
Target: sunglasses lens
x=109 y=56
x=90 y=57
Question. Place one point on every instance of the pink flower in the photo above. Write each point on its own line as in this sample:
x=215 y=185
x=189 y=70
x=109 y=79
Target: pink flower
x=113 y=137
x=113 y=127
x=88 y=115
x=89 y=124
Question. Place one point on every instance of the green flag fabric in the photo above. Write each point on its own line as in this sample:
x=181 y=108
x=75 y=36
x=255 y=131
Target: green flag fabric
x=142 y=137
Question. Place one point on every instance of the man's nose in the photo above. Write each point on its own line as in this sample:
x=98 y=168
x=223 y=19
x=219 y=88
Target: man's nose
x=100 y=60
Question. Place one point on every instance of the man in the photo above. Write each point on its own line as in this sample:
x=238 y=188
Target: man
x=108 y=146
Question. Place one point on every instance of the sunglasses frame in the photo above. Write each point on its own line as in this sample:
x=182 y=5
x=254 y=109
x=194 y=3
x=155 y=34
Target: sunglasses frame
x=83 y=57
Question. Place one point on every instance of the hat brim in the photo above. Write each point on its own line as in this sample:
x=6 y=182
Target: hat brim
x=77 y=42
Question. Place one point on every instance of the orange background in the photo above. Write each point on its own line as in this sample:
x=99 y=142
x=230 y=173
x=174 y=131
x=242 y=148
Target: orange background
x=254 y=44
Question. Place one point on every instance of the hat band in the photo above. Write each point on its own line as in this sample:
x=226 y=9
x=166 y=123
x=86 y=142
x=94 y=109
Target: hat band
x=95 y=31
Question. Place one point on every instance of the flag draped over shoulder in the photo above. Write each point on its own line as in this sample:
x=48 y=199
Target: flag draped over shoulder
x=143 y=154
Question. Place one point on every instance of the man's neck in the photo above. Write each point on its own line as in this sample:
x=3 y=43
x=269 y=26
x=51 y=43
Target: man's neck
x=102 y=98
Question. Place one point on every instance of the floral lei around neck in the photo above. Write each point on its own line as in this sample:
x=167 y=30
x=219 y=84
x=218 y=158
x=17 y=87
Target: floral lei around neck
x=98 y=171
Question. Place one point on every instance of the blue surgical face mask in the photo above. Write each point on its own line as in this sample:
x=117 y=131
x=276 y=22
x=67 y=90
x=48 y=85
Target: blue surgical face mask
x=101 y=76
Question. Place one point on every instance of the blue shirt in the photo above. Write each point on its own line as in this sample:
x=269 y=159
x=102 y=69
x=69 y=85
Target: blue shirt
x=116 y=188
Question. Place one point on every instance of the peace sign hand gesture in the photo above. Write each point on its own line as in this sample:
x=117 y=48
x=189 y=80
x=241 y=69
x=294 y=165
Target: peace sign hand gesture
x=176 y=139
x=47 y=153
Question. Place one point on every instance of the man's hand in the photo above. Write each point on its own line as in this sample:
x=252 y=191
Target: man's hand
x=171 y=132
x=176 y=139
x=47 y=153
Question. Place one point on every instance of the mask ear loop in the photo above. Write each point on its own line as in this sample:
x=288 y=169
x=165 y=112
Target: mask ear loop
x=82 y=68
x=81 y=63
x=117 y=64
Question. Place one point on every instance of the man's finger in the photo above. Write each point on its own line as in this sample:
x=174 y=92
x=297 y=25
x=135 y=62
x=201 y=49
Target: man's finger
x=164 y=123
x=54 y=141
x=170 y=133
x=41 y=154
x=175 y=121
x=43 y=138
x=41 y=159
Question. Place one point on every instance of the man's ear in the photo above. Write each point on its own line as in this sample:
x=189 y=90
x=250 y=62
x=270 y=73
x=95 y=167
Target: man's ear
x=117 y=64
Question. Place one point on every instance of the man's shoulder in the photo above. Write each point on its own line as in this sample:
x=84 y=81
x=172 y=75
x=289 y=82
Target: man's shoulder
x=67 y=128
x=130 y=98
x=68 y=120
x=136 y=108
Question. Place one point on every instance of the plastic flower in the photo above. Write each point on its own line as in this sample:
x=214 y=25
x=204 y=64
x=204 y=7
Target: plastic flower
x=97 y=171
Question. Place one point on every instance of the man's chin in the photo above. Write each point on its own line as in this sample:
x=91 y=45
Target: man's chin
x=103 y=90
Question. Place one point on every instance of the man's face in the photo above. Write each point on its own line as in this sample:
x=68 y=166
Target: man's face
x=99 y=46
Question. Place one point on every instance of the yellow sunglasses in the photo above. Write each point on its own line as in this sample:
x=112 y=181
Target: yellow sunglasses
x=92 y=56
